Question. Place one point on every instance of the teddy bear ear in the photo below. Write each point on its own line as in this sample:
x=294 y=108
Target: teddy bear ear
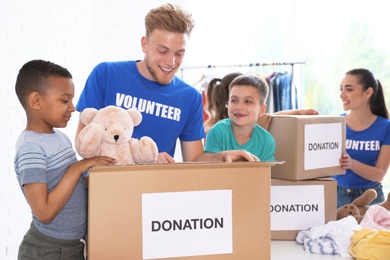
x=87 y=115
x=136 y=115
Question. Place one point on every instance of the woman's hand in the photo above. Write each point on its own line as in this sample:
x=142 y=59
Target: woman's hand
x=346 y=161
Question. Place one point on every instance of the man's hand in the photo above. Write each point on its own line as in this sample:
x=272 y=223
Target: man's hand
x=164 y=158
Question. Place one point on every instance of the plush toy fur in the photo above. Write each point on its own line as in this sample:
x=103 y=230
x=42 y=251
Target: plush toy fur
x=108 y=132
x=360 y=205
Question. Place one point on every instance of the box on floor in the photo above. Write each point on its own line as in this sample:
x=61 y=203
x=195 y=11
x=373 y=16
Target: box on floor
x=191 y=210
x=310 y=146
x=298 y=205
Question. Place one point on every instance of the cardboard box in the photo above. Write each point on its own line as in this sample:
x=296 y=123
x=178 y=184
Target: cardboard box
x=298 y=205
x=183 y=210
x=311 y=146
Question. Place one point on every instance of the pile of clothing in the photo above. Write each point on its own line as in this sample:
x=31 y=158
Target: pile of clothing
x=345 y=237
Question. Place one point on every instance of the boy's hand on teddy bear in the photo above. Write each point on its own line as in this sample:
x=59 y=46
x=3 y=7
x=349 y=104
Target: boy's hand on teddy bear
x=85 y=165
x=101 y=161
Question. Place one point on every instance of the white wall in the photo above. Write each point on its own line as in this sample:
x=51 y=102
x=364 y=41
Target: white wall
x=74 y=34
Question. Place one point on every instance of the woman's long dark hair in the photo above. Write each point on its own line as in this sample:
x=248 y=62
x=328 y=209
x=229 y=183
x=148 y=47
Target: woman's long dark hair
x=377 y=100
x=217 y=94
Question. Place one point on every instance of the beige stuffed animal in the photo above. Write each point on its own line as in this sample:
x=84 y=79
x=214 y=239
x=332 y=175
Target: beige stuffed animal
x=360 y=205
x=108 y=132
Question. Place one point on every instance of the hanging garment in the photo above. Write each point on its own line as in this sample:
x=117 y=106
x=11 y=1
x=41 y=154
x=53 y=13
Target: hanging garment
x=270 y=98
x=282 y=91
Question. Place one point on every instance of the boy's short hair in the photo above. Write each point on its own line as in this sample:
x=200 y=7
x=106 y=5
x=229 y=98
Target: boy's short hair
x=169 y=17
x=254 y=81
x=33 y=76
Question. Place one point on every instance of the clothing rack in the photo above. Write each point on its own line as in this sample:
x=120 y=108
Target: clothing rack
x=257 y=64
x=278 y=91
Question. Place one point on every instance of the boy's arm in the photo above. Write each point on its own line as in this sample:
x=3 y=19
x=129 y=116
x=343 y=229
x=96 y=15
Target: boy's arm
x=46 y=205
x=193 y=151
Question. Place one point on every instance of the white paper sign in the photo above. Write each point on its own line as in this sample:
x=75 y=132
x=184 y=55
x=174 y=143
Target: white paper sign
x=323 y=145
x=177 y=224
x=297 y=207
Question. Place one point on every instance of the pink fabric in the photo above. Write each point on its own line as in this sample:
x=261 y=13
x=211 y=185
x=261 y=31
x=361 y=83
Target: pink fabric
x=376 y=217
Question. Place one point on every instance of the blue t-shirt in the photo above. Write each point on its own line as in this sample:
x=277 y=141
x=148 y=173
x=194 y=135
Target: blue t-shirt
x=364 y=146
x=44 y=158
x=168 y=111
x=221 y=138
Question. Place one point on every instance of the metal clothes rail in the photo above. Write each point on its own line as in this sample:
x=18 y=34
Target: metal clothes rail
x=257 y=64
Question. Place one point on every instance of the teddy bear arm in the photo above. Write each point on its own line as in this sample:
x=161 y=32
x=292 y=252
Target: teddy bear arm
x=144 y=151
x=88 y=141
x=365 y=199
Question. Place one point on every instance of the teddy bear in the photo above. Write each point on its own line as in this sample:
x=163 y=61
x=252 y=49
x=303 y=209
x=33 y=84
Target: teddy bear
x=108 y=131
x=360 y=205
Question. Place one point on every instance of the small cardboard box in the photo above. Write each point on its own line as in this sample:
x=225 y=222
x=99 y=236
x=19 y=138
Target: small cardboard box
x=311 y=146
x=183 y=210
x=298 y=205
